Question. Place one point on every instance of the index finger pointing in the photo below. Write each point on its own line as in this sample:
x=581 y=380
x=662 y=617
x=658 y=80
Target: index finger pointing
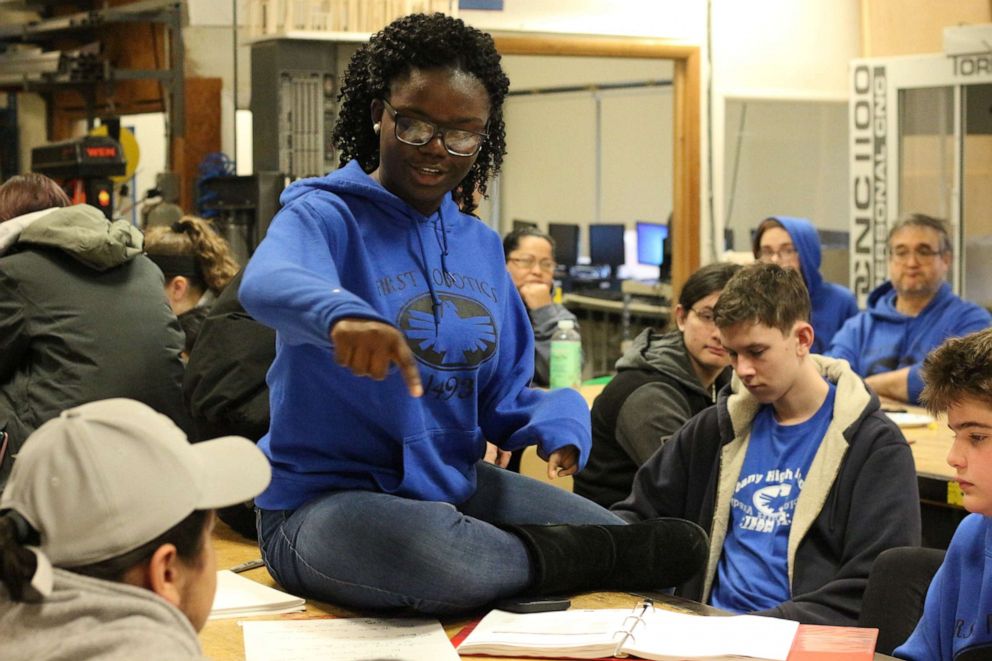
x=408 y=367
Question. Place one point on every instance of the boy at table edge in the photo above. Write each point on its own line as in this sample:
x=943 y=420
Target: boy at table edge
x=797 y=475
x=958 y=609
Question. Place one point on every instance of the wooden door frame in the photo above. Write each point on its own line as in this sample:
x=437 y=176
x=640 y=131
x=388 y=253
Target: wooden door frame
x=686 y=146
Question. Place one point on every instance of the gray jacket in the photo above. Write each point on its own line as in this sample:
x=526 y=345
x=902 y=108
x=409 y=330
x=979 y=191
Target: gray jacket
x=83 y=316
x=653 y=394
x=87 y=618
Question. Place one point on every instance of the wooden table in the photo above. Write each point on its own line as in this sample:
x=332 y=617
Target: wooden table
x=222 y=640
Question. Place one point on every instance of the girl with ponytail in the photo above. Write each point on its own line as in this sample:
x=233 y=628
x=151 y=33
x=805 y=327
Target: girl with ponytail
x=197 y=264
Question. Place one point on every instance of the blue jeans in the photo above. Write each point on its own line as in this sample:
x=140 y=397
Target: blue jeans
x=369 y=550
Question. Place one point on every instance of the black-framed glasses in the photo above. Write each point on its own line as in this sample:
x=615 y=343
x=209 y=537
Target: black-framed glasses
x=419 y=132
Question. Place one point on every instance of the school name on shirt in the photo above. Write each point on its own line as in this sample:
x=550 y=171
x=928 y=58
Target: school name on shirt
x=399 y=282
x=770 y=505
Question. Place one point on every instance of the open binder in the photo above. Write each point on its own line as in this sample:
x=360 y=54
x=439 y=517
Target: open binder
x=644 y=632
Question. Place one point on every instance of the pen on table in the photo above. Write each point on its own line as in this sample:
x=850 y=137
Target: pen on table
x=245 y=566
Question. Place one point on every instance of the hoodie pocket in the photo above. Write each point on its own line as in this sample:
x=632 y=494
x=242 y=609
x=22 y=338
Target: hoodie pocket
x=440 y=464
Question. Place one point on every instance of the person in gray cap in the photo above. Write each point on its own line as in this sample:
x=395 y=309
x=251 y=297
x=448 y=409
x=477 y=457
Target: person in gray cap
x=104 y=534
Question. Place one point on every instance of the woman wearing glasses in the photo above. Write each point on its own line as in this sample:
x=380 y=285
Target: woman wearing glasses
x=402 y=347
x=531 y=263
x=794 y=244
x=663 y=380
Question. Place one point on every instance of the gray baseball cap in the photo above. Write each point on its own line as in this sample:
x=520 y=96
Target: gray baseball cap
x=107 y=477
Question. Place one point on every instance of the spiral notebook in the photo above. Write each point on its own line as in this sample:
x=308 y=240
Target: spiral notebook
x=644 y=632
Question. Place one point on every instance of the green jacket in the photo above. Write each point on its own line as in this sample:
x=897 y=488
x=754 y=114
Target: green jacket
x=83 y=316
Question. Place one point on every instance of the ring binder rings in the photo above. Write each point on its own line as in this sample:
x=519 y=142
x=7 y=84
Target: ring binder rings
x=627 y=631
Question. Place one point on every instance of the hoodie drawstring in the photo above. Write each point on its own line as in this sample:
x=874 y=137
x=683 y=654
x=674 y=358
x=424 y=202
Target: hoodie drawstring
x=442 y=243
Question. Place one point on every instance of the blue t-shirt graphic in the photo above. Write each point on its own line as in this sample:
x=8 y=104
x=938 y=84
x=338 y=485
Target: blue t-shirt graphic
x=752 y=573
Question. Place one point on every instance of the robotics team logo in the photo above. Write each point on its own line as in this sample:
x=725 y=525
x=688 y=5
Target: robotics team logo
x=771 y=500
x=464 y=336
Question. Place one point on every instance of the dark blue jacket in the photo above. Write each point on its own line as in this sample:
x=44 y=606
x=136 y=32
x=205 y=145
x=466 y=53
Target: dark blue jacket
x=859 y=498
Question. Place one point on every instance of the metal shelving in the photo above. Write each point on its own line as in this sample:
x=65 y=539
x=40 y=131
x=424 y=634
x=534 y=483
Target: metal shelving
x=54 y=69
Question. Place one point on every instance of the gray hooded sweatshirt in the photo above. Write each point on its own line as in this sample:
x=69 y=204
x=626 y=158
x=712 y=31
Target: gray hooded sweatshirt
x=83 y=316
x=87 y=618
x=653 y=394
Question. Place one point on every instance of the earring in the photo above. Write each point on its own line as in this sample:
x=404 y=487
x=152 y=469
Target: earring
x=376 y=127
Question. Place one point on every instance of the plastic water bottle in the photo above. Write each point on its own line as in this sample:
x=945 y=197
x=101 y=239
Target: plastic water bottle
x=566 y=356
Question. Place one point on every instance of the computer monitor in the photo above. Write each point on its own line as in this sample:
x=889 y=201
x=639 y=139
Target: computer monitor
x=566 y=236
x=523 y=224
x=651 y=243
x=606 y=246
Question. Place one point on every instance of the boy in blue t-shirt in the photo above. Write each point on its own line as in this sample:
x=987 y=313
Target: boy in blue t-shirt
x=957 y=614
x=796 y=473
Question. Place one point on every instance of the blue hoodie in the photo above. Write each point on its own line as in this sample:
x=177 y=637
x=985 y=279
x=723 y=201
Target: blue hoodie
x=343 y=246
x=958 y=608
x=882 y=339
x=832 y=303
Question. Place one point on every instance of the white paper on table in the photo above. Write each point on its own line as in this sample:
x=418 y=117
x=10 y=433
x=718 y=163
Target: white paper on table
x=238 y=596
x=906 y=419
x=347 y=639
x=691 y=636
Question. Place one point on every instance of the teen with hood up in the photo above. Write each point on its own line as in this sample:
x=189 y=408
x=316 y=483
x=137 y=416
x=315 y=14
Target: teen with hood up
x=793 y=243
x=379 y=498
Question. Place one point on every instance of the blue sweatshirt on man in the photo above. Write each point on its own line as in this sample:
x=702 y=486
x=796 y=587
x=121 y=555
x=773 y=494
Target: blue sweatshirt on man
x=958 y=609
x=343 y=246
x=832 y=303
x=882 y=339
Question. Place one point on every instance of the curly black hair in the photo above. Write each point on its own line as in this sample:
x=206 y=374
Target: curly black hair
x=422 y=41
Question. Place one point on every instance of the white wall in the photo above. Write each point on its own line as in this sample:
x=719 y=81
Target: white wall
x=768 y=51
x=785 y=49
x=760 y=49
x=590 y=155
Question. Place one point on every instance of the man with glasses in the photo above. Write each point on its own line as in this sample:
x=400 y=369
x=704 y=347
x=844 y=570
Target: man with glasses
x=531 y=263
x=911 y=313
